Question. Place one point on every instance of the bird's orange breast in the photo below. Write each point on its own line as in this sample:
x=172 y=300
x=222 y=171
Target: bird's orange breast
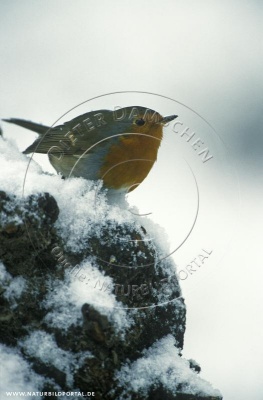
x=128 y=162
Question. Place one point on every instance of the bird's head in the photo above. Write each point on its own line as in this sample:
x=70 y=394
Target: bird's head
x=142 y=120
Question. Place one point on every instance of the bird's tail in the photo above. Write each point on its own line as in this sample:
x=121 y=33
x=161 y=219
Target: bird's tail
x=33 y=126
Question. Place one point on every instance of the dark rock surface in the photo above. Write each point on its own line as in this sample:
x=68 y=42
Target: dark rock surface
x=28 y=237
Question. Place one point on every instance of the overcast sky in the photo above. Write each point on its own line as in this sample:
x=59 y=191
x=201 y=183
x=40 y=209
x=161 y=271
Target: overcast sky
x=207 y=55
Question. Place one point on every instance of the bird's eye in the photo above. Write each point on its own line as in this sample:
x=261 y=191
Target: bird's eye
x=140 y=122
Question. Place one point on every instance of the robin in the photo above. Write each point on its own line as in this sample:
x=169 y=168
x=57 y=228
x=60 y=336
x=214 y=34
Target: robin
x=119 y=147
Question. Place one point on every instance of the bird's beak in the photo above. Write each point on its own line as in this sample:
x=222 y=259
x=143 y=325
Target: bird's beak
x=167 y=119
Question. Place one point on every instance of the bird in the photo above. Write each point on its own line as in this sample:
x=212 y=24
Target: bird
x=117 y=146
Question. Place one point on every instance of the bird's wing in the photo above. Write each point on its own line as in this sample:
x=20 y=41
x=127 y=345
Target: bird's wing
x=74 y=137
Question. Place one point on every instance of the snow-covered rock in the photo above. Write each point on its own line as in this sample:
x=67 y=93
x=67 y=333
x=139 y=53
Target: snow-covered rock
x=89 y=300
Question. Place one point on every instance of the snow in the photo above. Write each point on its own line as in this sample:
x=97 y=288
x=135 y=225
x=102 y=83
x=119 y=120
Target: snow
x=13 y=287
x=84 y=284
x=42 y=345
x=16 y=374
x=162 y=363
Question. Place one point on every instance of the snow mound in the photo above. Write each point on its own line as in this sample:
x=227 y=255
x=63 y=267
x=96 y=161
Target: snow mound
x=16 y=374
x=162 y=363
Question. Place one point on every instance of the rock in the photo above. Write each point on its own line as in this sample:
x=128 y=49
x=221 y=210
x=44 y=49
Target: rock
x=91 y=350
x=194 y=366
